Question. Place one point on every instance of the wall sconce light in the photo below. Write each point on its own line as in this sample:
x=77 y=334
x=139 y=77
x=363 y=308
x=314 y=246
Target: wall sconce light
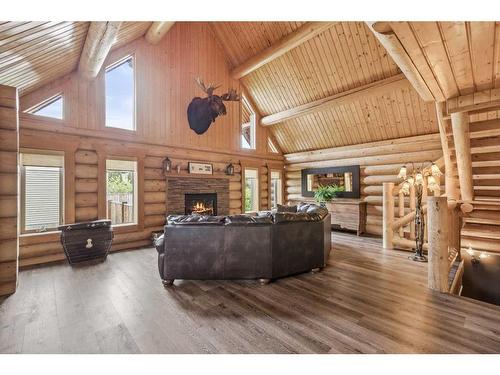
x=167 y=165
x=230 y=169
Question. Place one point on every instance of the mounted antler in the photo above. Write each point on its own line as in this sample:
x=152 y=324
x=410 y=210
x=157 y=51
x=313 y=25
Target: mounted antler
x=230 y=96
x=203 y=111
x=209 y=90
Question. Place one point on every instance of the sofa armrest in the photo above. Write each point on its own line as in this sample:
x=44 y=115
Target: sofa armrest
x=160 y=244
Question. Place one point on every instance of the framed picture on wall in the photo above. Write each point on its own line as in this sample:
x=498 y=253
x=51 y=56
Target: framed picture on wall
x=200 y=168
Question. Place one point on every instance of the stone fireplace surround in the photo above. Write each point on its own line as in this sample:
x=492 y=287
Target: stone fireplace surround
x=177 y=187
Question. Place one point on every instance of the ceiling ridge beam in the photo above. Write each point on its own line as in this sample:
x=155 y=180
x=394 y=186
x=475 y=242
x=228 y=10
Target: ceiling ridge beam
x=157 y=31
x=304 y=33
x=389 y=40
x=348 y=96
x=100 y=38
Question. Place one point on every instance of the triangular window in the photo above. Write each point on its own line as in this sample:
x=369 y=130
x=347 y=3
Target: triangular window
x=52 y=107
x=271 y=146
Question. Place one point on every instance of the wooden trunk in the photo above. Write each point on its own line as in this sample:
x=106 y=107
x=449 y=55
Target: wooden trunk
x=348 y=214
x=86 y=241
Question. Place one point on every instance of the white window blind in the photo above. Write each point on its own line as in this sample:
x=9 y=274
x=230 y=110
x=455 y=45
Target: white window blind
x=42 y=198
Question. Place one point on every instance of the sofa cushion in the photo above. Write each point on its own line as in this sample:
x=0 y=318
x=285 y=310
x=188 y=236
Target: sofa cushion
x=282 y=208
x=286 y=217
x=249 y=219
x=312 y=208
x=195 y=220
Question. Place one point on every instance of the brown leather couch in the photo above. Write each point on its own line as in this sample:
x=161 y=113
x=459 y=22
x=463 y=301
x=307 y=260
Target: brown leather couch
x=265 y=246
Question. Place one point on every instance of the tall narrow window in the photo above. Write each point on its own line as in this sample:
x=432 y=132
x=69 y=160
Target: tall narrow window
x=52 y=107
x=42 y=181
x=120 y=94
x=251 y=190
x=247 y=125
x=121 y=191
x=276 y=189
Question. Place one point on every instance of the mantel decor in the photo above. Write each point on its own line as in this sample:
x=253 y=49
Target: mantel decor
x=425 y=176
x=200 y=168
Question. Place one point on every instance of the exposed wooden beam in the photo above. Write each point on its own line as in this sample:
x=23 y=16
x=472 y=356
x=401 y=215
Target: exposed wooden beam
x=157 y=31
x=386 y=36
x=460 y=126
x=99 y=40
x=307 y=31
x=373 y=88
x=479 y=101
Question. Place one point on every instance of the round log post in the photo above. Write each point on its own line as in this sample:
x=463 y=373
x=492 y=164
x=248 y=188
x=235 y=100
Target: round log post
x=461 y=137
x=439 y=237
x=388 y=215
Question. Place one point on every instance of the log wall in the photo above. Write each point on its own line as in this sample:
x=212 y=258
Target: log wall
x=9 y=206
x=379 y=161
x=89 y=156
x=164 y=87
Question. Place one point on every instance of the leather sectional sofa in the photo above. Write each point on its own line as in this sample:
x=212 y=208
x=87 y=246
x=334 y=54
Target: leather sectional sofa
x=264 y=246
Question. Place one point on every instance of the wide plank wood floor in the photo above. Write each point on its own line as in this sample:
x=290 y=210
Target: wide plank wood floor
x=366 y=301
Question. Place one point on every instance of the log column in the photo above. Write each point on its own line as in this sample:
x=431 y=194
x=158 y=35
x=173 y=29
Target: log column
x=388 y=212
x=460 y=126
x=439 y=237
x=9 y=206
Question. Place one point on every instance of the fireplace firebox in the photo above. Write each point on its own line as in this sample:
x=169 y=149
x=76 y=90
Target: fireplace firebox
x=200 y=203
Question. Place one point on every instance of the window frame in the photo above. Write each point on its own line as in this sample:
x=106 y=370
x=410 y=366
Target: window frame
x=281 y=190
x=244 y=184
x=22 y=200
x=45 y=103
x=252 y=124
x=134 y=75
x=135 y=222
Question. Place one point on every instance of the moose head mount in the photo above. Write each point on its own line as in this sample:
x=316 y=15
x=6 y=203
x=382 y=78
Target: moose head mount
x=202 y=112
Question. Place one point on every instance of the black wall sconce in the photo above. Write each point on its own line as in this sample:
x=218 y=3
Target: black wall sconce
x=230 y=169
x=167 y=165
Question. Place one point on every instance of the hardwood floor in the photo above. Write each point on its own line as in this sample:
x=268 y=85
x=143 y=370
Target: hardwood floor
x=366 y=301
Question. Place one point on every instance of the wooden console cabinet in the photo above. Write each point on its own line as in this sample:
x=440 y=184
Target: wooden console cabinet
x=348 y=214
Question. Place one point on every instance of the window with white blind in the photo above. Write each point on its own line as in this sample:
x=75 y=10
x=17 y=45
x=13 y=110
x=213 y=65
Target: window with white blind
x=42 y=181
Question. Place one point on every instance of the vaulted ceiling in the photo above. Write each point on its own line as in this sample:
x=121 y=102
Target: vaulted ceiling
x=345 y=62
x=453 y=58
x=35 y=53
x=345 y=57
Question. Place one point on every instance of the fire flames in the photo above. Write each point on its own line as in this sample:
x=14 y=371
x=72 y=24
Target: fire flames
x=200 y=208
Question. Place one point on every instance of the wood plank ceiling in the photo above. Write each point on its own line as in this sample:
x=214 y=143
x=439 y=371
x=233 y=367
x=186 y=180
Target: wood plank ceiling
x=453 y=58
x=35 y=53
x=344 y=57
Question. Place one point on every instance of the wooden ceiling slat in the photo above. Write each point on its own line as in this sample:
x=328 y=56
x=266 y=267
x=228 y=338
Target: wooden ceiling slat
x=496 y=57
x=482 y=40
x=50 y=51
x=58 y=38
x=457 y=47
